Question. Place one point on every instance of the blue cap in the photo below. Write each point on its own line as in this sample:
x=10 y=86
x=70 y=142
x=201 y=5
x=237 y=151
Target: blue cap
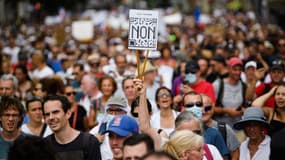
x=123 y=125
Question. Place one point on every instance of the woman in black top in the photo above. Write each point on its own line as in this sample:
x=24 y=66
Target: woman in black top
x=78 y=119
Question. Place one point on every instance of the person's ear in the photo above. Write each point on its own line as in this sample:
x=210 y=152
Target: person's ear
x=184 y=155
x=68 y=114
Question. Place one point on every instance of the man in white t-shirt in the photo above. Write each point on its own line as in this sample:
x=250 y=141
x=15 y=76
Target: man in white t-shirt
x=41 y=69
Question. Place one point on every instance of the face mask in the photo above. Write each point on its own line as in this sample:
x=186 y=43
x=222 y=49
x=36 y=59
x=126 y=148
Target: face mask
x=109 y=117
x=191 y=78
x=197 y=111
x=104 y=117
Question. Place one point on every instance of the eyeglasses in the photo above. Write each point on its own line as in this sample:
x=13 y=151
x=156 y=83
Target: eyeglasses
x=207 y=108
x=6 y=115
x=70 y=93
x=164 y=94
x=37 y=89
x=198 y=104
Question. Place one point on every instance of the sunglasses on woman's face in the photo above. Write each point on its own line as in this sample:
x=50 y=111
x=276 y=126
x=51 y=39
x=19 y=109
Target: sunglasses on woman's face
x=70 y=93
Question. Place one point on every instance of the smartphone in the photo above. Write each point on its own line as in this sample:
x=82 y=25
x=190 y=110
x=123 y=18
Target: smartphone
x=103 y=128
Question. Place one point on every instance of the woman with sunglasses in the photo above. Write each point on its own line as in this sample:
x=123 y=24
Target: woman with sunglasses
x=165 y=117
x=78 y=119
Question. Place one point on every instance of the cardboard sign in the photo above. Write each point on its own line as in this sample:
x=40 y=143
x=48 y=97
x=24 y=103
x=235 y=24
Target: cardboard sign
x=82 y=31
x=143 y=29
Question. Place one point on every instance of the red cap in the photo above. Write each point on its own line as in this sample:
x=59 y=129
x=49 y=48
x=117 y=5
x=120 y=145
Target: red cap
x=234 y=61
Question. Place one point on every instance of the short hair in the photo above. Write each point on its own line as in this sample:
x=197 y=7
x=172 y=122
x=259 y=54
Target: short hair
x=181 y=141
x=113 y=81
x=125 y=79
x=24 y=69
x=32 y=99
x=159 y=155
x=140 y=138
x=187 y=116
x=92 y=78
x=190 y=94
x=79 y=65
x=120 y=55
x=63 y=100
x=136 y=103
x=6 y=77
x=31 y=148
x=12 y=103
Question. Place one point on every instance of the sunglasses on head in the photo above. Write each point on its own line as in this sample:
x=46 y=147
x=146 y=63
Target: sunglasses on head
x=70 y=93
x=198 y=104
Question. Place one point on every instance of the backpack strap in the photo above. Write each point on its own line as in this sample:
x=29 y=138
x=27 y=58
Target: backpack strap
x=43 y=130
x=85 y=143
x=208 y=153
x=220 y=93
x=223 y=130
x=244 y=86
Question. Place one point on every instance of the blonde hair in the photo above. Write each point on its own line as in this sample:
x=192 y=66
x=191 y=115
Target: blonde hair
x=182 y=141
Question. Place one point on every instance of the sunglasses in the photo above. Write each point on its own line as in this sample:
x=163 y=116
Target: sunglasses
x=207 y=108
x=37 y=89
x=70 y=93
x=164 y=94
x=198 y=104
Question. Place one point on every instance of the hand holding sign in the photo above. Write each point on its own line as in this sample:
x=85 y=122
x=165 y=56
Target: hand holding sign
x=143 y=32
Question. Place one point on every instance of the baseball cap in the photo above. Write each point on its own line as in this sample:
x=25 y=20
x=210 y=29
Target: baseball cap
x=123 y=125
x=234 y=61
x=278 y=64
x=192 y=67
x=119 y=102
x=250 y=64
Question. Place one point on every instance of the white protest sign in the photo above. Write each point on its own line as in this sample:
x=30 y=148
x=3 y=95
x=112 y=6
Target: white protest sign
x=143 y=29
x=82 y=30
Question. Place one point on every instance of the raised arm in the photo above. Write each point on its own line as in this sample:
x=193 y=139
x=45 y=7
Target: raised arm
x=144 y=117
x=259 y=101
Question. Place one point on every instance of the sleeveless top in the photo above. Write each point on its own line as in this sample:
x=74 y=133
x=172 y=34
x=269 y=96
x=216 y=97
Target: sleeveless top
x=275 y=125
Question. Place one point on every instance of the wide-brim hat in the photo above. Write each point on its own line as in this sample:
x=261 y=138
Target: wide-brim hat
x=254 y=114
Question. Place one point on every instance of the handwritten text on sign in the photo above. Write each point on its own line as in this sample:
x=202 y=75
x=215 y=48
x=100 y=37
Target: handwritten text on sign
x=143 y=29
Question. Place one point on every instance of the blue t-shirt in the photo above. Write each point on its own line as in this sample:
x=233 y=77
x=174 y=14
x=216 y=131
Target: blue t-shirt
x=214 y=137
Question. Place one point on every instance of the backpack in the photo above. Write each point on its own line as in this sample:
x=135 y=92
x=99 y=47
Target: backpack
x=221 y=93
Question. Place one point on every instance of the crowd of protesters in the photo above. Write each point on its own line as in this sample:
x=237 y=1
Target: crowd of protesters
x=213 y=91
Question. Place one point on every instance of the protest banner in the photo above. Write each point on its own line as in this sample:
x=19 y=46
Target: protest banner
x=82 y=31
x=143 y=32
